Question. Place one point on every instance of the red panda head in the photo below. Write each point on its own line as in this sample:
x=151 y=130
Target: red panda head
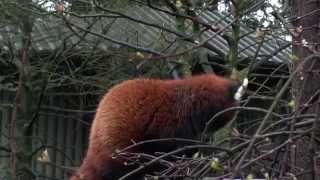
x=222 y=86
x=218 y=89
x=202 y=97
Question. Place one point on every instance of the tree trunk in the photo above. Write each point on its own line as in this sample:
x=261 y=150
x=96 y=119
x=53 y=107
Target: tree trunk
x=22 y=114
x=306 y=83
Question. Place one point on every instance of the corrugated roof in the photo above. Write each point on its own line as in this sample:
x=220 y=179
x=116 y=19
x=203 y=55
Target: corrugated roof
x=50 y=33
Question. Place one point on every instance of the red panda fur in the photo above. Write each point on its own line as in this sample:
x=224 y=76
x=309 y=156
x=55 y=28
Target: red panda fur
x=141 y=109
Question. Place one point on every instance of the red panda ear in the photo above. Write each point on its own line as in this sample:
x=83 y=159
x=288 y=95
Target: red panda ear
x=232 y=90
x=241 y=90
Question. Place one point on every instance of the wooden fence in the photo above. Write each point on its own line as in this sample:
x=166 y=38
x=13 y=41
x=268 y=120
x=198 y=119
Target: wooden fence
x=60 y=136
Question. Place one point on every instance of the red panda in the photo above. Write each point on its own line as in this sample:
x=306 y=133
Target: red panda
x=143 y=109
